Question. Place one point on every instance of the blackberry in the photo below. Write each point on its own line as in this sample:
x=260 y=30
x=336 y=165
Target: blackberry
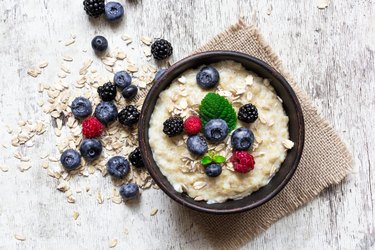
x=161 y=49
x=248 y=113
x=173 y=126
x=107 y=92
x=129 y=115
x=135 y=158
x=94 y=8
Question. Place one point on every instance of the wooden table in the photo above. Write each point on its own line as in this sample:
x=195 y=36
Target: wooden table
x=329 y=51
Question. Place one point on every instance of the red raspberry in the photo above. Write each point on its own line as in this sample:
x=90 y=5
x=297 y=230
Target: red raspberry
x=92 y=127
x=192 y=125
x=242 y=161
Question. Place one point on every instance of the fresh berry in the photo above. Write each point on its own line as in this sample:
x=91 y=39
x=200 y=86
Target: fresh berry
x=92 y=127
x=197 y=145
x=70 y=159
x=129 y=115
x=81 y=107
x=213 y=170
x=243 y=162
x=159 y=74
x=106 y=112
x=208 y=77
x=216 y=130
x=91 y=149
x=248 y=113
x=130 y=92
x=136 y=159
x=122 y=79
x=99 y=43
x=118 y=167
x=94 y=8
x=161 y=49
x=129 y=191
x=107 y=92
x=113 y=11
x=242 y=138
x=173 y=126
x=192 y=125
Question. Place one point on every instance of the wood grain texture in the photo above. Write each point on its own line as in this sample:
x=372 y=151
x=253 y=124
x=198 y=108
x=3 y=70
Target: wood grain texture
x=330 y=52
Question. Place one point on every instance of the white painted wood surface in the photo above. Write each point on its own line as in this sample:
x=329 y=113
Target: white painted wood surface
x=330 y=52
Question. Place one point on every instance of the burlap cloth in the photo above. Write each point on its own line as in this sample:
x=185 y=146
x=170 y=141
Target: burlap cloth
x=325 y=159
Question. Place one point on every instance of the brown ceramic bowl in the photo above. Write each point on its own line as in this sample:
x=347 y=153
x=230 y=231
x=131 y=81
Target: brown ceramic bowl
x=291 y=106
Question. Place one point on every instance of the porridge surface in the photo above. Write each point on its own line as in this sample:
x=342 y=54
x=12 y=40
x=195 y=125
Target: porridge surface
x=184 y=170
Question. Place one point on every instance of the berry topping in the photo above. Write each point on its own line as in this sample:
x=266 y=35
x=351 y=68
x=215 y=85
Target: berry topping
x=91 y=149
x=92 y=127
x=242 y=138
x=208 y=77
x=129 y=115
x=99 y=43
x=242 y=161
x=159 y=74
x=113 y=11
x=122 y=79
x=70 y=159
x=130 y=92
x=248 y=113
x=214 y=106
x=197 y=145
x=107 y=92
x=213 y=170
x=216 y=130
x=81 y=107
x=129 y=191
x=94 y=8
x=173 y=126
x=161 y=49
x=192 y=125
x=135 y=158
x=106 y=112
x=118 y=167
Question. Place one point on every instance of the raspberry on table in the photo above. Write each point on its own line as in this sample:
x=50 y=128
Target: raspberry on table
x=92 y=127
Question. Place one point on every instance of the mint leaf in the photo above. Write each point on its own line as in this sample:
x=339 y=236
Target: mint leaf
x=206 y=160
x=219 y=159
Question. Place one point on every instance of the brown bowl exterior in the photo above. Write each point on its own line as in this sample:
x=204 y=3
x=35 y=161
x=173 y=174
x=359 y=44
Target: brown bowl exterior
x=296 y=131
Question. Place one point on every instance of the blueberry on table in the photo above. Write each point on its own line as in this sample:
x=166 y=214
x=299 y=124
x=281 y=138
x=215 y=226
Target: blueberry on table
x=81 y=107
x=197 y=145
x=99 y=43
x=106 y=112
x=130 y=92
x=213 y=170
x=122 y=79
x=91 y=149
x=208 y=77
x=70 y=159
x=242 y=138
x=113 y=11
x=216 y=130
x=118 y=167
x=129 y=191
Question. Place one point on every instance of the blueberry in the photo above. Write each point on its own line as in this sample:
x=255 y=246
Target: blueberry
x=122 y=79
x=242 y=138
x=81 y=107
x=197 y=145
x=113 y=11
x=91 y=149
x=130 y=92
x=106 y=112
x=118 y=166
x=159 y=74
x=208 y=77
x=99 y=43
x=213 y=170
x=216 y=130
x=129 y=191
x=70 y=159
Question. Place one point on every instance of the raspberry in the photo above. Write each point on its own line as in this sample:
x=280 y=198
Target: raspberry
x=192 y=125
x=242 y=161
x=92 y=127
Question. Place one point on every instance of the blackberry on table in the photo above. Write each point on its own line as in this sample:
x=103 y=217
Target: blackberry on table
x=107 y=92
x=248 y=113
x=129 y=115
x=173 y=126
x=94 y=8
x=161 y=49
x=136 y=159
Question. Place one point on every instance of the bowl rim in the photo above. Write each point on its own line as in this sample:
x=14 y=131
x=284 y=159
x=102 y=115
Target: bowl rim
x=145 y=124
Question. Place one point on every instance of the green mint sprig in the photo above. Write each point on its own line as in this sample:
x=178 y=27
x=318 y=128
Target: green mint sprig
x=211 y=157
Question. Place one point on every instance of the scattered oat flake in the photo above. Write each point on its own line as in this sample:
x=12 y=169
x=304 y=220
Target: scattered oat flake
x=182 y=79
x=42 y=65
x=146 y=40
x=63 y=186
x=24 y=166
x=132 y=68
x=153 y=211
x=113 y=243
x=322 y=4
x=69 y=41
x=33 y=72
x=199 y=185
x=75 y=215
x=99 y=198
x=4 y=168
x=288 y=144
x=67 y=58
x=20 y=237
